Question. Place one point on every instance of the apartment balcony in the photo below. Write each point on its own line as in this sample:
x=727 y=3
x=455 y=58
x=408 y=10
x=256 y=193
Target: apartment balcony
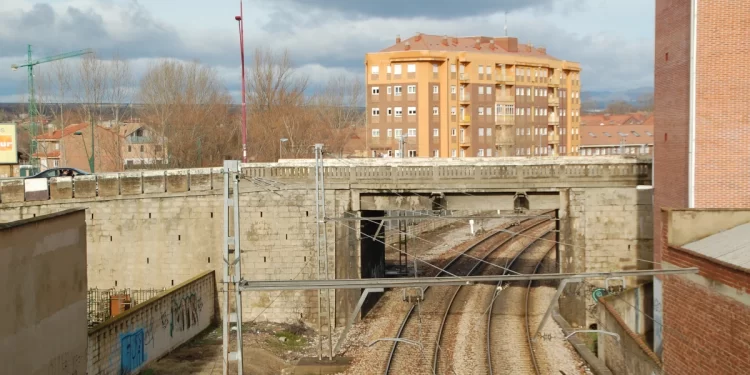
x=464 y=120
x=464 y=99
x=553 y=120
x=505 y=99
x=553 y=138
x=464 y=141
x=505 y=120
x=553 y=101
x=504 y=79
x=463 y=77
x=554 y=82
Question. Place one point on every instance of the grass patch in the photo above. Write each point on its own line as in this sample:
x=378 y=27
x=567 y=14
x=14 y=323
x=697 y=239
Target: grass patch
x=287 y=340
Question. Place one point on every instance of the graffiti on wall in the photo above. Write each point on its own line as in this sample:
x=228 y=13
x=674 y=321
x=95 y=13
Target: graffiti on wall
x=132 y=351
x=185 y=312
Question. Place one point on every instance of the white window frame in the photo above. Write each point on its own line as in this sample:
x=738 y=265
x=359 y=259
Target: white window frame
x=389 y=90
x=435 y=68
x=397 y=69
x=396 y=90
x=436 y=132
x=376 y=133
x=411 y=68
x=488 y=153
x=376 y=90
x=453 y=111
x=481 y=132
x=480 y=152
x=481 y=69
x=488 y=90
x=397 y=133
x=376 y=112
x=411 y=132
x=411 y=89
x=375 y=69
x=480 y=111
x=390 y=133
x=435 y=89
x=453 y=153
x=489 y=132
x=453 y=89
x=398 y=111
x=411 y=153
x=488 y=111
x=411 y=111
x=481 y=90
x=390 y=111
x=453 y=132
x=435 y=111
x=388 y=69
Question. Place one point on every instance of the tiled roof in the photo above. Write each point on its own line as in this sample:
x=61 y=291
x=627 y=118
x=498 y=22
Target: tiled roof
x=731 y=246
x=129 y=128
x=610 y=135
x=501 y=45
x=57 y=134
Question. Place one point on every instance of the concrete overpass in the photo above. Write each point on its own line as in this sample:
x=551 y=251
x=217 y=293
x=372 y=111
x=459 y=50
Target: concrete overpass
x=158 y=228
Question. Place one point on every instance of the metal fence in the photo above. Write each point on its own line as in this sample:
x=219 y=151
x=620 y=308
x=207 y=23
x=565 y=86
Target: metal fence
x=101 y=301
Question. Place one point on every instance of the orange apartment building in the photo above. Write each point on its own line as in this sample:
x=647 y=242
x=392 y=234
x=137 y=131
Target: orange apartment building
x=471 y=96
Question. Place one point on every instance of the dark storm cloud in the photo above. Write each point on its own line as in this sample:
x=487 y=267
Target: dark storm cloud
x=438 y=9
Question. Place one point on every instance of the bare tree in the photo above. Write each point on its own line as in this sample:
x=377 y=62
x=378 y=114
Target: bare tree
x=338 y=108
x=190 y=110
x=61 y=80
x=119 y=90
x=273 y=82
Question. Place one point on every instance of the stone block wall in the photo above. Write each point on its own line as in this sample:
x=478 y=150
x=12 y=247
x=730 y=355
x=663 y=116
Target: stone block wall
x=126 y=343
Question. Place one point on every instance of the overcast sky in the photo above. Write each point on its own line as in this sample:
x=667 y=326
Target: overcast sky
x=612 y=39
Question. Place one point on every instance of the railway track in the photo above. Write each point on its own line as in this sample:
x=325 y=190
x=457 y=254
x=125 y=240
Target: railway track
x=439 y=302
x=510 y=348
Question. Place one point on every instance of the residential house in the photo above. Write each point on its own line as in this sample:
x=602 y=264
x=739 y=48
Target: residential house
x=63 y=147
x=142 y=146
x=629 y=134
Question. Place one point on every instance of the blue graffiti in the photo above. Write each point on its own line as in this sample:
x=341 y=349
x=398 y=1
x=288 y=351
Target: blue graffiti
x=132 y=351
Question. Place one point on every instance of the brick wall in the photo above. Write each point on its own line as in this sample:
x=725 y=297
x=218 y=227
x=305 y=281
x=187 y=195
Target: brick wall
x=145 y=333
x=671 y=107
x=722 y=176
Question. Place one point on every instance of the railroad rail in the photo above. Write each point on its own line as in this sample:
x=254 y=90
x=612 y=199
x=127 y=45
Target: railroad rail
x=473 y=253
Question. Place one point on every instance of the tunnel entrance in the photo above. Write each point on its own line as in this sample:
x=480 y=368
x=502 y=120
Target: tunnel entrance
x=372 y=258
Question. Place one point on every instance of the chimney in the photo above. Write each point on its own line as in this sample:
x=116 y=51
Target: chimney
x=492 y=44
x=418 y=38
x=476 y=44
x=455 y=40
x=542 y=50
x=445 y=40
x=398 y=39
x=407 y=46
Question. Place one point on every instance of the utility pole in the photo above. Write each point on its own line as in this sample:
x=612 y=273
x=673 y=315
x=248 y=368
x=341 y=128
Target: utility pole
x=402 y=145
x=244 y=103
x=29 y=65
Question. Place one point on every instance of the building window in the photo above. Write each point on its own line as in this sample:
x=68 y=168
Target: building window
x=481 y=90
x=488 y=110
x=528 y=91
x=435 y=111
x=376 y=111
x=411 y=89
x=388 y=69
x=453 y=89
x=397 y=69
x=398 y=111
x=412 y=153
x=397 y=90
x=376 y=90
x=412 y=111
x=453 y=152
x=436 y=153
x=481 y=132
x=453 y=111
x=412 y=132
x=390 y=111
x=435 y=132
x=375 y=133
x=453 y=132
x=489 y=90
x=388 y=90
x=397 y=133
x=463 y=152
x=489 y=132
x=435 y=89
x=375 y=69
x=390 y=133
x=130 y=148
x=481 y=69
x=411 y=68
x=435 y=68
x=397 y=153
x=480 y=111
x=489 y=152
x=536 y=131
x=480 y=152
x=453 y=68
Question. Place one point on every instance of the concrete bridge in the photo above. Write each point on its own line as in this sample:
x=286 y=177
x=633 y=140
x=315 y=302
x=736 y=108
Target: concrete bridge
x=158 y=228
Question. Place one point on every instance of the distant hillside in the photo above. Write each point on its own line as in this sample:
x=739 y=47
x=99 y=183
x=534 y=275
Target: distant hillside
x=600 y=99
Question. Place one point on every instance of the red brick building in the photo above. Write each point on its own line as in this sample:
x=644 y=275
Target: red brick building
x=706 y=325
x=702 y=129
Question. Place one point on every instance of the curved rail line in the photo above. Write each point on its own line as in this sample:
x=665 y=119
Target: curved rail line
x=509 y=266
x=453 y=261
x=528 y=323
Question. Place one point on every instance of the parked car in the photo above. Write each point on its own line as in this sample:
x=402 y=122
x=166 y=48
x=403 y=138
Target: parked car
x=58 y=172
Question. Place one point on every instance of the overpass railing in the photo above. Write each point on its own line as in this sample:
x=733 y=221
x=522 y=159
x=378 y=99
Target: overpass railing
x=377 y=176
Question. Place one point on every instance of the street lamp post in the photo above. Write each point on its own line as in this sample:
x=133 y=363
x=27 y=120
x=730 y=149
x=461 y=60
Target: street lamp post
x=244 y=104
x=281 y=142
x=92 y=158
